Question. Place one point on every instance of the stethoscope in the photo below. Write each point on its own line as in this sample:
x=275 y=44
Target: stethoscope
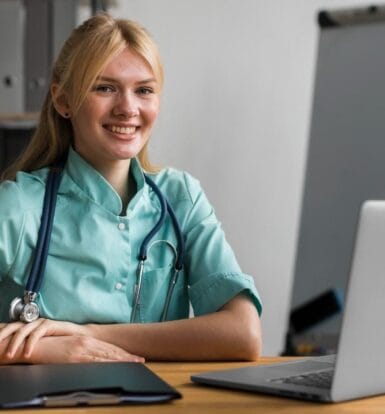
x=27 y=310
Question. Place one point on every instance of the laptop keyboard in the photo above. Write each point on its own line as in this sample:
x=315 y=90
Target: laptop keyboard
x=321 y=379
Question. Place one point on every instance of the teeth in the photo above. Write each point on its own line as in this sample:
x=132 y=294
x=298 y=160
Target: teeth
x=122 y=130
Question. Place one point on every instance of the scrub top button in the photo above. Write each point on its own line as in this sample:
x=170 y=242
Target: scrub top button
x=121 y=226
x=119 y=286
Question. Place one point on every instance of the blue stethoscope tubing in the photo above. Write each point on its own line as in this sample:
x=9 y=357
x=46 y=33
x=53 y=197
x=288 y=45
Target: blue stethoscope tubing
x=38 y=266
x=144 y=248
x=36 y=275
x=26 y=309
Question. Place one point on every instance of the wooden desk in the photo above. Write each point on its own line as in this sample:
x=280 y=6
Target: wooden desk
x=202 y=400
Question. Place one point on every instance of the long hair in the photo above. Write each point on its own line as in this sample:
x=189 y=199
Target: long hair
x=83 y=57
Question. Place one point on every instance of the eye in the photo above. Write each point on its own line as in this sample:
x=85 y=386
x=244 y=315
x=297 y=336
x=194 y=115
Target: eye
x=145 y=90
x=103 y=88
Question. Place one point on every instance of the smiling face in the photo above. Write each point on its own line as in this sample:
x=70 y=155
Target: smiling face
x=115 y=120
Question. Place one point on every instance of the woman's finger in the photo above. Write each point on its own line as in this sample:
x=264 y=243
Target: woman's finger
x=94 y=358
x=43 y=327
x=42 y=330
x=108 y=357
x=20 y=336
x=47 y=328
x=8 y=329
x=122 y=355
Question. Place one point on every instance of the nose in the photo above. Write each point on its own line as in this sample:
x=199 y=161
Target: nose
x=126 y=105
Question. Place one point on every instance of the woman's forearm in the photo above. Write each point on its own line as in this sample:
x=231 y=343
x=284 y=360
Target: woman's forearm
x=233 y=333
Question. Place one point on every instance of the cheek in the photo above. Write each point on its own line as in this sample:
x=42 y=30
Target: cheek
x=88 y=114
x=79 y=120
x=92 y=109
x=82 y=123
x=152 y=113
x=153 y=117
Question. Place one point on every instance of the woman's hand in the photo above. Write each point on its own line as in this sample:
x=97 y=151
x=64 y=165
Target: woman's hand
x=68 y=349
x=71 y=349
x=27 y=335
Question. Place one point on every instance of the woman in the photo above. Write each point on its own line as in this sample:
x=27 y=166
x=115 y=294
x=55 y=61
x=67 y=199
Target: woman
x=96 y=122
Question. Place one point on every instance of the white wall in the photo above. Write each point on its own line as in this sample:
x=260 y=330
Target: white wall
x=236 y=114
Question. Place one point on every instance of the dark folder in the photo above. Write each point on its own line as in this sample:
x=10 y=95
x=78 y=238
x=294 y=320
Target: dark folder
x=60 y=385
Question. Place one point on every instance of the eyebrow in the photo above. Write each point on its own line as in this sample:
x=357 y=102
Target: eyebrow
x=109 y=79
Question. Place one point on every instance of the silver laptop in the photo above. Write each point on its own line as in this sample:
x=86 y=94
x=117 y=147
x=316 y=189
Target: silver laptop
x=358 y=369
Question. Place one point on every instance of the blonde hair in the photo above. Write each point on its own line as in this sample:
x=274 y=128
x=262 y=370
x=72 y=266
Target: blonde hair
x=82 y=58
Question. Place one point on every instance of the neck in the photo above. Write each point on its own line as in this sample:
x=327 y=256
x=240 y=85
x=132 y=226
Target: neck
x=116 y=172
x=118 y=175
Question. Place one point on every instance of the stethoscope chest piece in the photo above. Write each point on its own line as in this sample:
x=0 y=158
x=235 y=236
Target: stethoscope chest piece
x=25 y=310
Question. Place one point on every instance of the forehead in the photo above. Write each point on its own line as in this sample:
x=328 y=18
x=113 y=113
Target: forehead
x=128 y=64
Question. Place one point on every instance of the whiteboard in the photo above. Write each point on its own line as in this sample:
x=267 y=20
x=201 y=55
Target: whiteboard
x=346 y=150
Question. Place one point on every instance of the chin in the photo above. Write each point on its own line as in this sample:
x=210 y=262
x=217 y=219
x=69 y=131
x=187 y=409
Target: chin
x=126 y=153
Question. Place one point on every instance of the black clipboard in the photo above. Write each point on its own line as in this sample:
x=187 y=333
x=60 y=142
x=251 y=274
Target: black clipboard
x=65 y=385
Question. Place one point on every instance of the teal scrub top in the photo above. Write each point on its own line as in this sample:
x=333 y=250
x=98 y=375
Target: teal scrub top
x=93 y=255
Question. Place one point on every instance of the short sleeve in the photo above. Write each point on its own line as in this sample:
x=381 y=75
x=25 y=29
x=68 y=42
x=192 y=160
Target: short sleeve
x=213 y=273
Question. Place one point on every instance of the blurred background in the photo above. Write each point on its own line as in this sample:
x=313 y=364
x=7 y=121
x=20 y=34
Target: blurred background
x=251 y=107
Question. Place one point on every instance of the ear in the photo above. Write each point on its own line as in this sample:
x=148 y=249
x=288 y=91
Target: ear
x=60 y=101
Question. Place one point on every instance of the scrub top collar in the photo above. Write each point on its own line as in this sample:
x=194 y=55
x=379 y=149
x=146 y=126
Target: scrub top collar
x=97 y=188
